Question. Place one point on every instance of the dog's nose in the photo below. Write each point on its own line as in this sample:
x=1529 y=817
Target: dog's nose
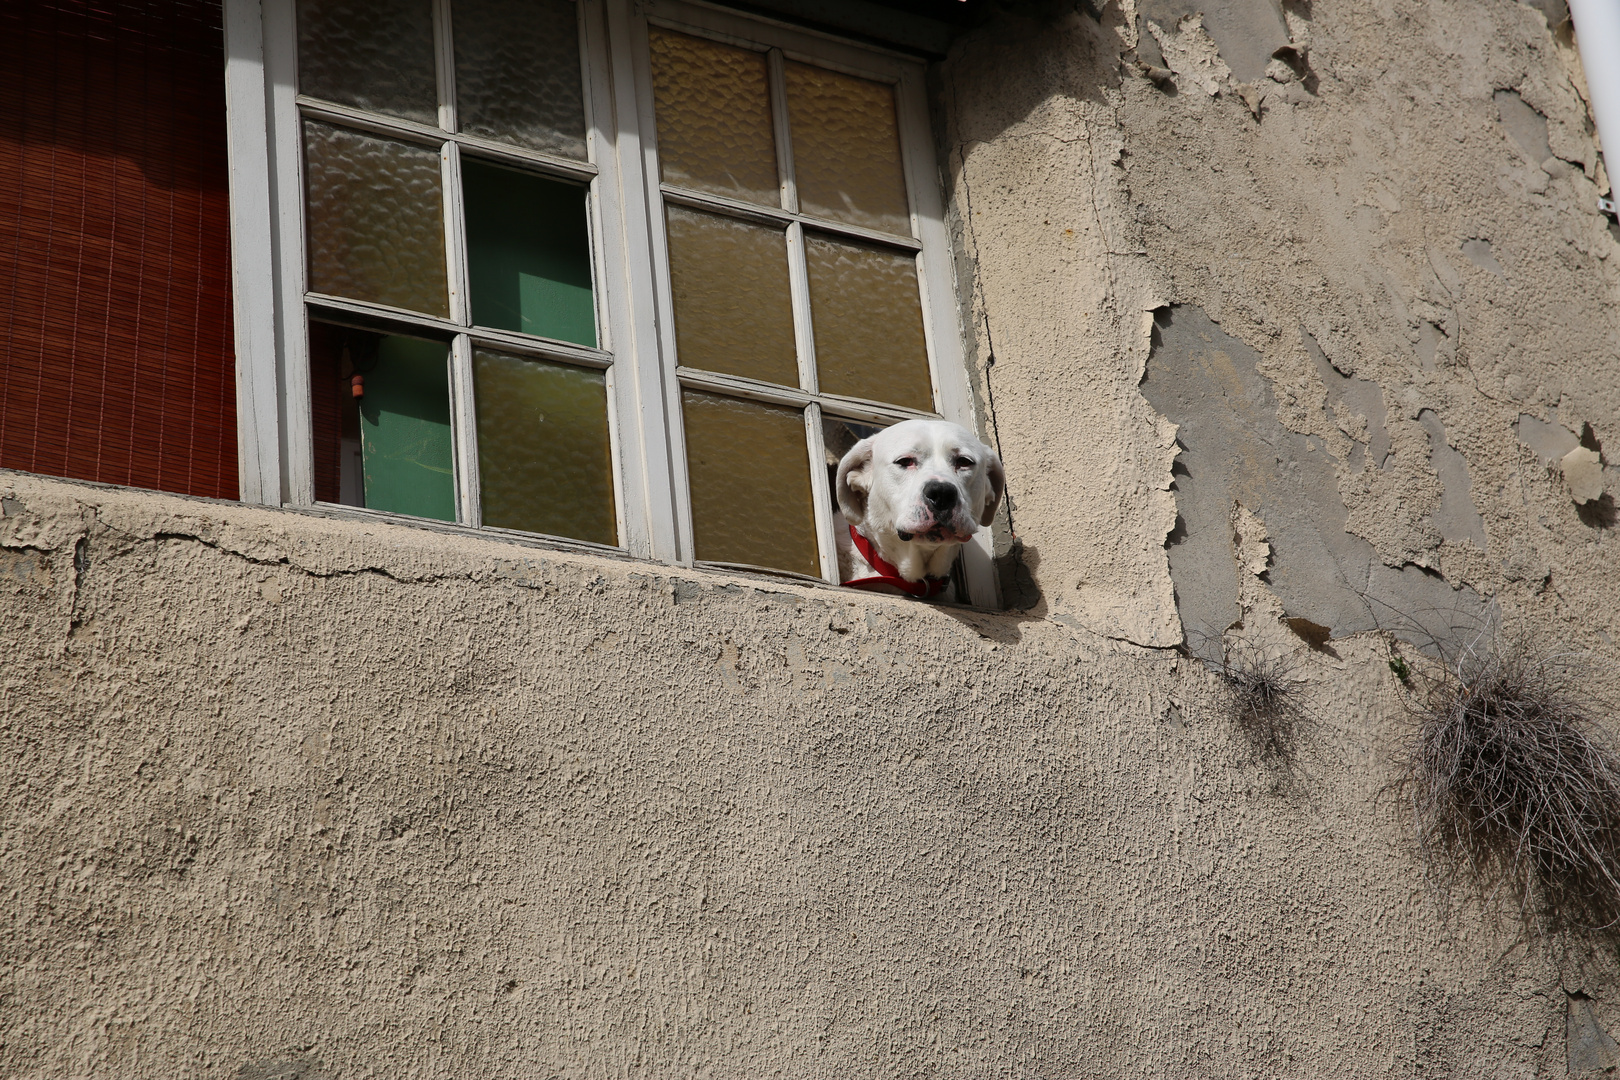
x=940 y=496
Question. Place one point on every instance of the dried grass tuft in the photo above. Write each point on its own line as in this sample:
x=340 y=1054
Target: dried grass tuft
x=1263 y=701
x=1514 y=787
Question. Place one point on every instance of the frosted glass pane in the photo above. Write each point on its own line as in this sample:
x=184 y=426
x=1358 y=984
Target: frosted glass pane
x=867 y=314
x=846 y=149
x=405 y=428
x=517 y=73
x=371 y=54
x=714 y=117
x=528 y=255
x=733 y=312
x=376 y=220
x=543 y=459
x=750 y=482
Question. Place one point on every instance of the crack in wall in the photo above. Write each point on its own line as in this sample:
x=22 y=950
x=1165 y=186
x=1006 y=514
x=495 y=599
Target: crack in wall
x=284 y=561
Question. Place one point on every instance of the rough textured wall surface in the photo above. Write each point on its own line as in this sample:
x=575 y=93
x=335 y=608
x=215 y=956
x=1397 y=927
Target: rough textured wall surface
x=362 y=800
x=295 y=796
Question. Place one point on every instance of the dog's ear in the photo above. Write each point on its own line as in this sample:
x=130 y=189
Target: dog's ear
x=996 y=477
x=855 y=481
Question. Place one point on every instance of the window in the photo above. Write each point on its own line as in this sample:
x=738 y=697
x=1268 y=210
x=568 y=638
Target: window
x=454 y=368
x=628 y=276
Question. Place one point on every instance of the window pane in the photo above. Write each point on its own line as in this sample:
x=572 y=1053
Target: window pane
x=543 y=459
x=714 y=117
x=846 y=149
x=371 y=54
x=404 y=425
x=376 y=220
x=750 y=479
x=867 y=315
x=528 y=254
x=517 y=73
x=733 y=311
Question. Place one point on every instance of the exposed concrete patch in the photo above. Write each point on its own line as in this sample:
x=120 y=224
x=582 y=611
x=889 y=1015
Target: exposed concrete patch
x=1578 y=457
x=1592 y=1051
x=1457 y=518
x=23 y=568
x=1480 y=254
x=1524 y=124
x=1248 y=33
x=1358 y=406
x=1237 y=452
x=1550 y=441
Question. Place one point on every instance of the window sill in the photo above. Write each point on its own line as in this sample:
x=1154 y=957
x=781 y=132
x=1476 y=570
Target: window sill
x=357 y=514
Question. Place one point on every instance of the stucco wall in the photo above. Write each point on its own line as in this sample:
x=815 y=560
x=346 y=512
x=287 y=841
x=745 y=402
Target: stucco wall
x=302 y=796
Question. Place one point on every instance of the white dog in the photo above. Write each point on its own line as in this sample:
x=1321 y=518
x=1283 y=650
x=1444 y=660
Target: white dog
x=911 y=496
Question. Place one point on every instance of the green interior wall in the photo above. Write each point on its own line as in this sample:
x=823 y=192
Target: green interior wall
x=528 y=254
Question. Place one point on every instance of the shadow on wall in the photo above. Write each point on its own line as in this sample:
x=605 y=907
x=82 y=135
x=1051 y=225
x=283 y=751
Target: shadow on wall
x=62 y=62
x=1235 y=450
x=1073 y=48
x=1030 y=52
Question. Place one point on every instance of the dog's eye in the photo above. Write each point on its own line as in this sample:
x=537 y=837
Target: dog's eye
x=906 y=462
x=961 y=463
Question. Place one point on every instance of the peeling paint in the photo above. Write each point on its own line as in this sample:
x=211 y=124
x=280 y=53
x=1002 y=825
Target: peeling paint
x=1237 y=453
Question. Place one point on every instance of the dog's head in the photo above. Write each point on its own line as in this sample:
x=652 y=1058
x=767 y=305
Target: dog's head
x=925 y=480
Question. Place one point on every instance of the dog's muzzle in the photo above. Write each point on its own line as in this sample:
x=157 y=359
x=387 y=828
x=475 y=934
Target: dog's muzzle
x=937 y=516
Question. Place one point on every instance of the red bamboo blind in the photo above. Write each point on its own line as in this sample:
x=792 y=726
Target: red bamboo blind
x=116 y=352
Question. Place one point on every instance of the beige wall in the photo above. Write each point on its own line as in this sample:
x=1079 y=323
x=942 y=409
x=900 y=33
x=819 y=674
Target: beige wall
x=294 y=796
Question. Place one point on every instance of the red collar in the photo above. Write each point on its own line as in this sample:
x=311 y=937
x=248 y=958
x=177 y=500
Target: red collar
x=889 y=574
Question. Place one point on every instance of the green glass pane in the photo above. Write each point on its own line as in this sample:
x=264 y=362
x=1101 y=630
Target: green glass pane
x=517 y=73
x=543 y=459
x=405 y=429
x=733 y=312
x=846 y=149
x=375 y=55
x=750 y=481
x=528 y=254
x=376 y=220
x=867 y=314
x=714 y=117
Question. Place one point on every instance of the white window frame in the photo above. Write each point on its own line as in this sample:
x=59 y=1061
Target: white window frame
x=630 y=263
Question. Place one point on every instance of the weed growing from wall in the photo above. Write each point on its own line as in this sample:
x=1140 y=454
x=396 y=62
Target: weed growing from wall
x=1514 y=787
x=1262 y=701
